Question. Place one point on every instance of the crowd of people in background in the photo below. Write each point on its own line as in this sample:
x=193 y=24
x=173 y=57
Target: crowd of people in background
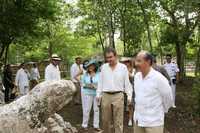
x=137 y=85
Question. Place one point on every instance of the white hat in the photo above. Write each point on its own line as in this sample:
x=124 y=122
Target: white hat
x=55 y=57
x=123 y=59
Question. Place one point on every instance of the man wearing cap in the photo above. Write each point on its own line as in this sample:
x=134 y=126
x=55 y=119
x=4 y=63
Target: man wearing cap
x=52 y=71
x=76 y=71
x=173 y=73
x=113 y=83
x=153 y=96
x=22 y=80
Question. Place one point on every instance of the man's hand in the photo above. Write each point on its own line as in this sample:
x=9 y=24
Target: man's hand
x=81 y=72
x=129 y=102
x=98 y=99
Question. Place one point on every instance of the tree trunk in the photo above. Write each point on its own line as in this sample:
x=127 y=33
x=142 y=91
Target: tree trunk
x=2 y=51
x=111 y=32
x=180 y=51
x=100 y=37
x=147 y=25
x=6 y=54
x=197 y=67
x=124 y=25
x=50 y=49
x=160 y=48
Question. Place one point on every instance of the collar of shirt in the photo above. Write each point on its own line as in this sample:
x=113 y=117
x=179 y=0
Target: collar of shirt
x=114 y=80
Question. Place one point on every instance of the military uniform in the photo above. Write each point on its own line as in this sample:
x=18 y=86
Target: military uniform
x=172 y=70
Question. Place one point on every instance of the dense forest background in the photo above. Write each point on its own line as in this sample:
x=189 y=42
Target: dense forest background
x=33 y=30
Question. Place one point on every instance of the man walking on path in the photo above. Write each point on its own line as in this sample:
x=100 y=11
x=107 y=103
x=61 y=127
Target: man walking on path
x=52 y=72
x=113 y=83
x=76 y=71
x=153 y=96
x=22 y=80
x=173 y=73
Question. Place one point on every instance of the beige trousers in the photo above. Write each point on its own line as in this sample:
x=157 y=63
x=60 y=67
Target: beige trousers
x=112 y=106
x=138 y=129
x=77 y=95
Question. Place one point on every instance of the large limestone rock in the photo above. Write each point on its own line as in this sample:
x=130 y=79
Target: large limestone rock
x=35 y=111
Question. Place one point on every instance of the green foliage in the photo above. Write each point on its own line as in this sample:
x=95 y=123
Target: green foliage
x=22 y=18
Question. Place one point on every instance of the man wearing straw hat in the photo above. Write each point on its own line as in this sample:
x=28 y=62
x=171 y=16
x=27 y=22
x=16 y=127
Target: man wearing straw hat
x=52 y=71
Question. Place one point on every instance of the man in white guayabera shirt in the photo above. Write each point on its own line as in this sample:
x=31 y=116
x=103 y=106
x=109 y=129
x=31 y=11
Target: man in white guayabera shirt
x=113 y=83
x=52 y=72
x=173 y=72
x=22 y=80
x=153 y=96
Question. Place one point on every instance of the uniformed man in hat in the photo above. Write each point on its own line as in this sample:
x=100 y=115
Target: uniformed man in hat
x=173 y=72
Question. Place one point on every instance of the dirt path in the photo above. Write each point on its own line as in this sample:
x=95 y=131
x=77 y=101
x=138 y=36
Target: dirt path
x=179 y=120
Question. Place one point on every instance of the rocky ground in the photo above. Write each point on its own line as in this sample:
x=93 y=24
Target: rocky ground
x=179 y=120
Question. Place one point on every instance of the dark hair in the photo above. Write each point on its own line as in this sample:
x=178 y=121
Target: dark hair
x=6 y=67
x=110 y=50
x=148 y=57
x=78 y=58
x=169 y=55
x=34 y=65
x=154 y=57
x=96 y=68
x=22 y=64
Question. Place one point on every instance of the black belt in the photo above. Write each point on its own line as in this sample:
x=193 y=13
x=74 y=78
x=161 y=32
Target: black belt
x=113 y=92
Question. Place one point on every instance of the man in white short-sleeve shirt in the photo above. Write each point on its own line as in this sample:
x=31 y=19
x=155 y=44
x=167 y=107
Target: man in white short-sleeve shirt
x=173 y=73
x=153 y=96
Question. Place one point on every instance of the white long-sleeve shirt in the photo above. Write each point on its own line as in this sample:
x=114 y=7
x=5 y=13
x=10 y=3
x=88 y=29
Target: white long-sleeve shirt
x=114 y=80
x=52 y=73
x=153 y=97
x=22 y=78
x=35 y=75
x=74 y=70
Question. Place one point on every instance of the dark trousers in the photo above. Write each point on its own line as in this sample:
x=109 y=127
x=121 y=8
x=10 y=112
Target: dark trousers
x=7 y=94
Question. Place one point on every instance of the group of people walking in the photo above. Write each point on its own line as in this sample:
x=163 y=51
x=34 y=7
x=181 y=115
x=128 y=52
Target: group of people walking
x=135 y=84
x=24 y=80
x=147 y=88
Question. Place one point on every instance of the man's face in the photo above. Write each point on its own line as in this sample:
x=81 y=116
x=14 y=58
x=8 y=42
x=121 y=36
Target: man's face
x=169 y=59
x=55 y=62
x=111 y=58
x=78 y=61
x=140 y=63
x=23 y=66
